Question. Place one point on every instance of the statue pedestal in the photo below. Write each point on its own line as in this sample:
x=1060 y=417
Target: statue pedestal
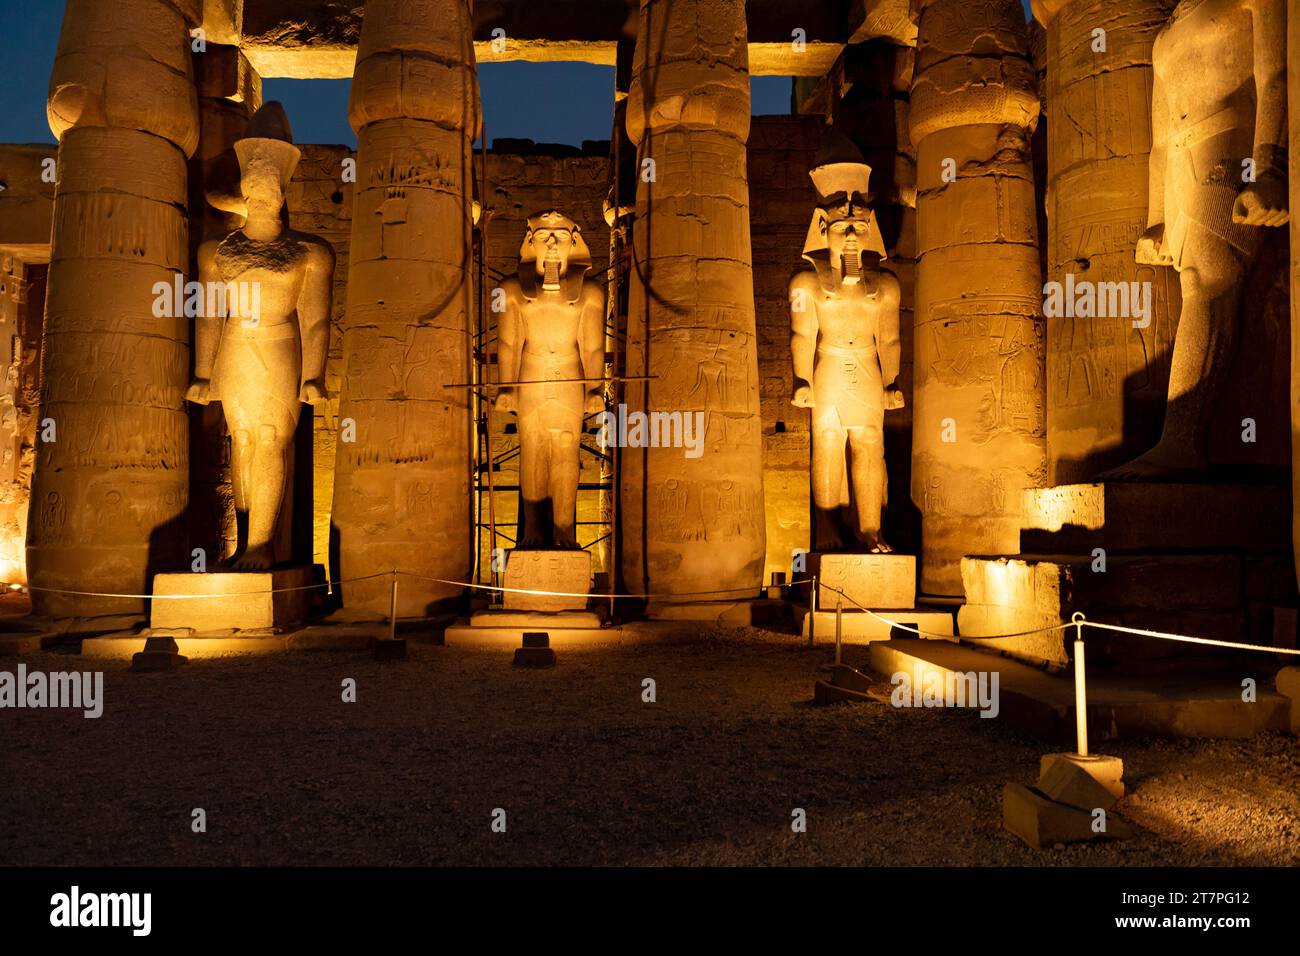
x=567 y=572
x=231 y=600
x=877 y=581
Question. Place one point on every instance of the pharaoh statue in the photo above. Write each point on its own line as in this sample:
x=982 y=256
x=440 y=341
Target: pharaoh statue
x=551 y=364
x=1217 y=175
x=845 y=345
x=262 y=352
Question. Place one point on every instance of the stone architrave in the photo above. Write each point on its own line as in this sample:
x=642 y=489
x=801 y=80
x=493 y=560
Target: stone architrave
x=692 y=524
x=401 y=491
x=261 y=342
x=1106 y=376
x=110 y=489
x=1218 y=182
x=551 y=330
x=978 y=408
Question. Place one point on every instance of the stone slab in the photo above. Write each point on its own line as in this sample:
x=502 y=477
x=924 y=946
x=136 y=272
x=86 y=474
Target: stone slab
x=1107 y=771
x=871 y=580
x=231 y=600
x=536 y=620
x=1043 y=823
x=725 y=613
x=1201 y=595
x=564 y=571
x=1171 y=704
x=858 y=626
x=1066 y=782
x=467 y=635
x=16 y=645
x=1142 y=516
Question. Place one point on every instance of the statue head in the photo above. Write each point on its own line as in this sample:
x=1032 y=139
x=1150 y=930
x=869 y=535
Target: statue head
x=554 y=251
x=843 y=238
x=267 y=160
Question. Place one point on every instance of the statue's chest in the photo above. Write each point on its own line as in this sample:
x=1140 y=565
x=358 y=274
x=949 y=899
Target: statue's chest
x=240 y=258
x=551 y=320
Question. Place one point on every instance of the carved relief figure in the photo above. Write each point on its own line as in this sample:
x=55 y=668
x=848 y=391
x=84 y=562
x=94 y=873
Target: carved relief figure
x=1218 y=174
x=264 y=355
x=845 y=346
x=551 y=363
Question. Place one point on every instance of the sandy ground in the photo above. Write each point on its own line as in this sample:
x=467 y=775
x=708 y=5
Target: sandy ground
x=586 y=772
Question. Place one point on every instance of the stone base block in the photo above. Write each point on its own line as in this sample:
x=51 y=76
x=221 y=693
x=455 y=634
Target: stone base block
x=231 y=600
x=159 y=654
x=16 y=645
x=1203 y=595
x=566 y=572
x=1042 y=822
x=1067 y=782
x=1108 y=772
x=1288 y=685
x=538 y=620
x=1142 y=516
x=871 y=580
x=860 y=626
x=534 y=657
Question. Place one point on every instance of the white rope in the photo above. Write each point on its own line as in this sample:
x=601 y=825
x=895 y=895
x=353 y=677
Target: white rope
x=1165 y=636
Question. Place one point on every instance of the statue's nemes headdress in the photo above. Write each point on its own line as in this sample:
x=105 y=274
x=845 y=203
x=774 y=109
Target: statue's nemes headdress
x=579 y=256
x=841 y=179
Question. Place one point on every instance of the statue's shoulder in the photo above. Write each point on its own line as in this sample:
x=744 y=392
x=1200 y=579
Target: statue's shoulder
x=888 y=283
x=593 y=289
x=806 y=280
x=316 y=249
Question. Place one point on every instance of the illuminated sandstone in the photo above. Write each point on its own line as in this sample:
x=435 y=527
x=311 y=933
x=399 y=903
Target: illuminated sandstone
x=552 y=329
x=693 y=525
x=109 y=495
x=1218 y=174
x=1106 y=378
x=845 y=346
x=401 y=491
x=262 y=363
x=978 y=409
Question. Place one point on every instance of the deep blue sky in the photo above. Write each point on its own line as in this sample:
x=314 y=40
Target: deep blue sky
x=547 y=102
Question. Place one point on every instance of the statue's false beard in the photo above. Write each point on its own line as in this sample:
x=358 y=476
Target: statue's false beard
x=551 y=272
x=851 y=262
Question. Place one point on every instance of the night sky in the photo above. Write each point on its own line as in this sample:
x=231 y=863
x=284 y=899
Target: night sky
x=546 y=102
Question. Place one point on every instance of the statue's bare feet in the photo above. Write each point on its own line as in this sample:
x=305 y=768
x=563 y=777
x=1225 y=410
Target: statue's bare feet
x=1157 y=465
x=875 y=544
x=257 y=558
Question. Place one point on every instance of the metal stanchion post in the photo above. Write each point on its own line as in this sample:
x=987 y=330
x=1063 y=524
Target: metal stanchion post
x=839 y=620
x=812 y=613
x=392 y=611
x=1080 y=690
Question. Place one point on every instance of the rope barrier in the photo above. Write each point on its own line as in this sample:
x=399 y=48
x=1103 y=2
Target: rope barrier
x=1077 y=621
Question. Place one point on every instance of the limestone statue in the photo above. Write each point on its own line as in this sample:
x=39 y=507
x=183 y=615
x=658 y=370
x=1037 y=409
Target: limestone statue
x=263 y=354
x=845 y=346
x=1217 y=175
x=552 y=330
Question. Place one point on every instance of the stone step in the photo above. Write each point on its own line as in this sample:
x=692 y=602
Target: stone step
x=1178 y=702
x=859 y=626
x=1220 y=596
x=1139 y=516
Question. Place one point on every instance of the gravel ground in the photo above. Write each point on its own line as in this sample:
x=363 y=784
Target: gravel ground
x=587 y=773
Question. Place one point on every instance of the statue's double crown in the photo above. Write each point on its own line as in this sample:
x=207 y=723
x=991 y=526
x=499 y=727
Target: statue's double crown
x=841 y=179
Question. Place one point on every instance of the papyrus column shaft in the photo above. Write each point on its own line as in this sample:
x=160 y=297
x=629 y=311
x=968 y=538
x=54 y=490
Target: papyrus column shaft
x=978 y=417
x=401 y=493
x=693 y=524
x=109 y=493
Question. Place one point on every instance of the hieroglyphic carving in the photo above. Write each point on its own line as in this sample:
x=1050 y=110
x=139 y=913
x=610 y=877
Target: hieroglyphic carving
x=978 y=432
x=111 y=490
x=691 y=314
x=1107 y=379
x=401 y=492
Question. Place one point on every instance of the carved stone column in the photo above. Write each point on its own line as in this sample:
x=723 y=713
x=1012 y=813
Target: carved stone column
x=110 y=489
x=692 y=524
x=978 y=433
x=401 y=491
x=1107 y=380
